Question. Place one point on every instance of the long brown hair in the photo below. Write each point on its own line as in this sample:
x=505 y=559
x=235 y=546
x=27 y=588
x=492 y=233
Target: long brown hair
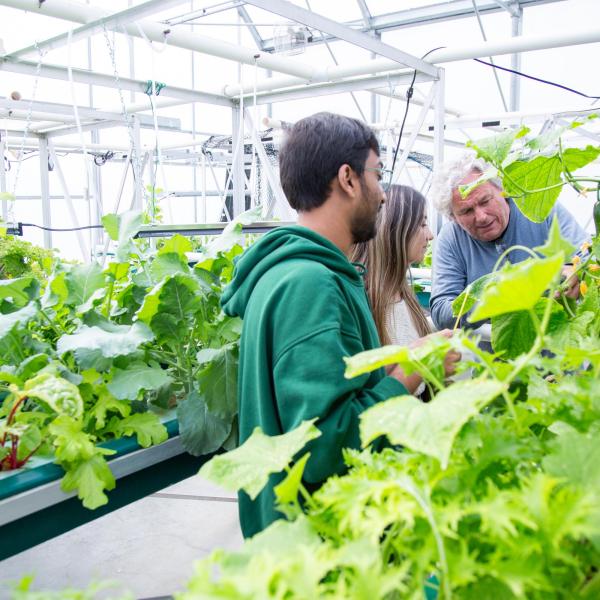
x=386 y=259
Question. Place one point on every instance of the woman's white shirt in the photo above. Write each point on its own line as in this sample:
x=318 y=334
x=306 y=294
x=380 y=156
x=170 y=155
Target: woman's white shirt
x=402 y=330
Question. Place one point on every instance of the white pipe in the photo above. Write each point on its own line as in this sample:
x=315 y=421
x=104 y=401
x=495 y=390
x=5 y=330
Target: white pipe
x=73 y=146
x=24 y=115
x=444 y=55
x=82 y=13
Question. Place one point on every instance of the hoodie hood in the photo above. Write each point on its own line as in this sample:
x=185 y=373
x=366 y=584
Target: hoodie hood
x=277 y=246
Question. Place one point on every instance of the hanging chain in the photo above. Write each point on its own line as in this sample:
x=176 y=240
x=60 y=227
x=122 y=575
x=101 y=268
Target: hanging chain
x=11 y=205
x=135 y=158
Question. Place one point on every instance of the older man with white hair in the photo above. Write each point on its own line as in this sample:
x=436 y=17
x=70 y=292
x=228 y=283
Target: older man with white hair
x=480 y=228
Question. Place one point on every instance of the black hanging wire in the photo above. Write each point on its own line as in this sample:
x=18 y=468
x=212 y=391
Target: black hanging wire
x=61 y=228
x=409 y=95
x=539 y=79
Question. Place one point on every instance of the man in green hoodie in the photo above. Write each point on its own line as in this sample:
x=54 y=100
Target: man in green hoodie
x=304 y=305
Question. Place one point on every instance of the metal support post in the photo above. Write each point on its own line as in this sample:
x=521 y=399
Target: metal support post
x=515 y=63
x=136 y=168
x=203 y=206
x=3 y=180
x=438 y=139
x=237 y=163
x=45 y=190
x=97 y=234
x=375 y=100
x=151 y=174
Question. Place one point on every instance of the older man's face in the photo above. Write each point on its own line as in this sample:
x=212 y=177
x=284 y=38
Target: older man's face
x=484 y=213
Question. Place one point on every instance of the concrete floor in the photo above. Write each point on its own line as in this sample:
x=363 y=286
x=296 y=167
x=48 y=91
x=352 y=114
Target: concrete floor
x=148 y=547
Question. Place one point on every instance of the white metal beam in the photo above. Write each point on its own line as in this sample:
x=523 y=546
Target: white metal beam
x=253 y=30
x=113 y=22
x=515 y=63
x=306 y=17
x=442 y=56
x=101 y=79
x=366 y=14
x=45 y=191
x=322 y=89
x=82 y=13
x=3 y=179
x=432 y=13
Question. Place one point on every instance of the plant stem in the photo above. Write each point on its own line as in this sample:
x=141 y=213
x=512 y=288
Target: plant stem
x=462 y=308
x=111 y=287
x=50 y=322
x=20 y=463
x=427 y=373
x=511 y=249
x=412 y=489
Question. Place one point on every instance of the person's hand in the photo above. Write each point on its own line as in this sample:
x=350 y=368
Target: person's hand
x=452 y=356
x=412 y=382
x=570 y=281
x=451 y=359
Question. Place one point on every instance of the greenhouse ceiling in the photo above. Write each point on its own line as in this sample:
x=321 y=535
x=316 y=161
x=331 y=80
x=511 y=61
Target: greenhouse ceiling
x=77 y=73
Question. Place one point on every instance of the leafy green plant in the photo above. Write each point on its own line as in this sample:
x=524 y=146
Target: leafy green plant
x=491 y=490
x=20 y=258
x=534 y=170
x=130 y=342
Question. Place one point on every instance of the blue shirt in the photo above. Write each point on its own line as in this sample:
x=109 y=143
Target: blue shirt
x=459 y=259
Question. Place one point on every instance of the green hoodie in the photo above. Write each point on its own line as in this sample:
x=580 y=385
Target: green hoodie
x=304 y=308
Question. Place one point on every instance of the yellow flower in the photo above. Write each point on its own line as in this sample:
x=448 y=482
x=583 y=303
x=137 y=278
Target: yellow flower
x=594 y=268
x=576 y=260
x=585 y=246
x=583 y=288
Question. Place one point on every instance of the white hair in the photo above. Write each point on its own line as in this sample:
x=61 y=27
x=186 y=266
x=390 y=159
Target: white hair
x=451 y=174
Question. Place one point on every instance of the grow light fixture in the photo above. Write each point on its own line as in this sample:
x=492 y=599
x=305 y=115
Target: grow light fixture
x=152 y=231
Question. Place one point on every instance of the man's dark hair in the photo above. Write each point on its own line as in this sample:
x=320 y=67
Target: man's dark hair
x=314 y=150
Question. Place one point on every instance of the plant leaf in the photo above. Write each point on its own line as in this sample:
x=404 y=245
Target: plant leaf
x=504 y=327
x=95 y=347
x=59 y=394
x=495 y=149
x=201 y=431
x=431 y=352
x=145 y=426
x=576 y=158
x=168 y=263
x=16 y=320
x=90 y=478
x=218 y=382
x=471 y=294
x=178 y=244
x=19 y=291
x=287 y=490
x=541 y=172
x=428 y=428
x=81 y=281
x=126 y=384
x=249 y=466
x=555 y=242
x=170 y=303
x=517 y=287
x=122 y=228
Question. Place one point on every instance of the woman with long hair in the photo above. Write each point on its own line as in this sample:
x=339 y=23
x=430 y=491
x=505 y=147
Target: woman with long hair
x=402 y=239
